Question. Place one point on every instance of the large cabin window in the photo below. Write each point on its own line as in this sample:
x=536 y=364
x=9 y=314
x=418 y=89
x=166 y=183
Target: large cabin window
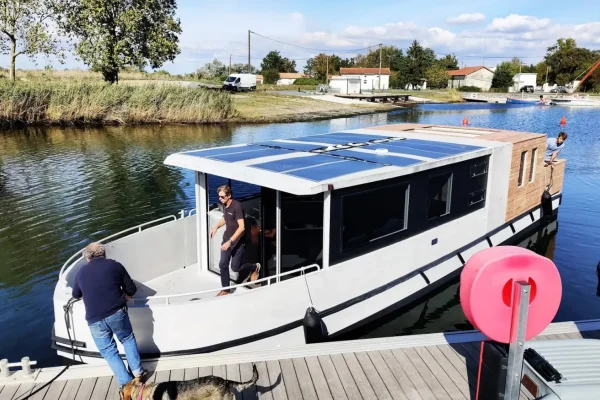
x=373 y=214
x=522 y=168
x=439 y=193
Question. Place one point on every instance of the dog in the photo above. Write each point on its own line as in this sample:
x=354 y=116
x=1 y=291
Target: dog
x=205 y=388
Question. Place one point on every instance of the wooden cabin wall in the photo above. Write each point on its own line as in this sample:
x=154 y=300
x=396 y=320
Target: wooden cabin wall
x=528 y=195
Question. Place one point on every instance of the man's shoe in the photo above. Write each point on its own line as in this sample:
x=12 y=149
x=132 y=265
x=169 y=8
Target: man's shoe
x=142 y=377
x=255 y=273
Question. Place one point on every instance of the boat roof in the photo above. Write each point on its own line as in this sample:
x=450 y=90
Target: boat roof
x=309 y=164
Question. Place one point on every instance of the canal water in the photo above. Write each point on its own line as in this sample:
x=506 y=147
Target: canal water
x=61 y=188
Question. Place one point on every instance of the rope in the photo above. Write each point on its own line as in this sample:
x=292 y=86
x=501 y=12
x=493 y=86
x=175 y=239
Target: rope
x=67 y=307
x=310 y=302
x=551 y=176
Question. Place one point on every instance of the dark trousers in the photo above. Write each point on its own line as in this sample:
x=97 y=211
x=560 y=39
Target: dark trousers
x=237 y=255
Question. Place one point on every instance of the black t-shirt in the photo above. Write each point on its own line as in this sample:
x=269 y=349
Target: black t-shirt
x=232 y=214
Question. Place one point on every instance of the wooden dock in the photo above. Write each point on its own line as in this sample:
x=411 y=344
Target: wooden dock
x=384 y=98
x=422 y=367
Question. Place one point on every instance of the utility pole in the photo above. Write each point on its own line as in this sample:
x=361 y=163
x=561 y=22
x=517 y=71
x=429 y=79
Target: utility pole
x=230 y=64
x=547 y=68
x=327 y=75
x=380 y=44
x=249 y=68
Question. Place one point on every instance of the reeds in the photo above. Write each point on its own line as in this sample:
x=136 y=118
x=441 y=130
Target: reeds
x=82 y=102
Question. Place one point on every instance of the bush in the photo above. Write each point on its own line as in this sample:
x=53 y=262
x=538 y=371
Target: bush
x=270 y=76
x=306 y=82
x=469 y=89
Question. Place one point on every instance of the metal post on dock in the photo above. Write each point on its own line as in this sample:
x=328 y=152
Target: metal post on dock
x=520 y=307
x=26 y=366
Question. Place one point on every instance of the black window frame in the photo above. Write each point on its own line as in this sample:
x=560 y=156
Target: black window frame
x=448 y=202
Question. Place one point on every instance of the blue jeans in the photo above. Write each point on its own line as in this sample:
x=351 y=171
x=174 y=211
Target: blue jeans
x=119 y=325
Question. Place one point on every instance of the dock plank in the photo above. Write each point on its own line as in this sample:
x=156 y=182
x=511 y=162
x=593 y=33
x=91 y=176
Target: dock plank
x=246 y=375
x=8 y=392
x=373 y=376
x=333 y=380
x=365 y=388
x=407 y=386
x=440 y=373
x=55 y=390
x=23 y=390
x=220 y=370
x=101 y=388
x=177 y=374
x=163 y=376
x=278 y=384
x=460 y=363
x=86 y=389
x=428 y=376
x=457 y=379
x=415 y=377
x=113 y=390
x=291 y=380
x=318 y=378
x=205 y=371
x=190 y=373
x=70 y=390
x=233 y=373
x=387 y=376
x=349 y=384
x=305 y=380
x=263 y=386
x=39 y=395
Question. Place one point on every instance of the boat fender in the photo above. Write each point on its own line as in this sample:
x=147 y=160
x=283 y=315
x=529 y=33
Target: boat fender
x=315 y=330
x=598 y=273
x=546 y=204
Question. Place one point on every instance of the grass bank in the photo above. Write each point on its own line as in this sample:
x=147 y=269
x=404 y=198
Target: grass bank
x=266 y=107
x=60 y=102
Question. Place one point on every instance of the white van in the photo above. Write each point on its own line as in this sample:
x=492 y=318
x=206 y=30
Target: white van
x=240 y=82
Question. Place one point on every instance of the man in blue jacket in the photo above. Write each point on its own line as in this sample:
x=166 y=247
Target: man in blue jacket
x=105 y=287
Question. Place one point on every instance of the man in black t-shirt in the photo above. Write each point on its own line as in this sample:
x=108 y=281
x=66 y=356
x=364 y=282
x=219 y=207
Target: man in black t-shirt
x=233 y=247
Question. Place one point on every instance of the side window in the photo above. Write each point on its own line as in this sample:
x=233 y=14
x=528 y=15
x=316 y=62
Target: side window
x=522 y=168
x=388 y=217
x=439 y=194
x=532 y=165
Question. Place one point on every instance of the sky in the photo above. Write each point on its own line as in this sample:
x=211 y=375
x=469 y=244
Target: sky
x=478 y=32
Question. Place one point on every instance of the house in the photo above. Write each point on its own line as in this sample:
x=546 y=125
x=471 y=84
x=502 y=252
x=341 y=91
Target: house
x=369 y=78
x=288 y=78
x=480 y=77
x=259 y=80
x=524 y=79
x=343 y=85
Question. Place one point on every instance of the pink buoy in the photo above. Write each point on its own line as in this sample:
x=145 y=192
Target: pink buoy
x=487 y=284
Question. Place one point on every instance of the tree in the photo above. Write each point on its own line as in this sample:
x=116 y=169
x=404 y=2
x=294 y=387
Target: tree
x=113 y=34
x=240 y=68
x=449 y=62
x=25 y=25
x=270 y=76
x=318 y=65
x=503 y=77
x=419 y=60
x=274 y=61
x=437 y=76
x=212 y=70
x=568 y=62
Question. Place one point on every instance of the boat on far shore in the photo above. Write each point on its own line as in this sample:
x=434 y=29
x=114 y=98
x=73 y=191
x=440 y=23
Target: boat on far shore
x=575 y=101
x=527 y=101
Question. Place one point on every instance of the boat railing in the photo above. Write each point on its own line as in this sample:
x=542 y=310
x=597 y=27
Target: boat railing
x=78 y=256
x=167 y=298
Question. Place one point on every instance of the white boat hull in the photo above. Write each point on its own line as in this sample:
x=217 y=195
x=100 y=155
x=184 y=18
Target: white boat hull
x=575 y=102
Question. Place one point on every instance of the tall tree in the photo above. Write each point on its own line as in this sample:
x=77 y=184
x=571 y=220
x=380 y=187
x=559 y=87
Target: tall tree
x=419 y=60
x=114 y=34
x=568 y=62
x=503 y=76
x=274 y=61
x=449 y=62
x=437 y=76
x=25 y=24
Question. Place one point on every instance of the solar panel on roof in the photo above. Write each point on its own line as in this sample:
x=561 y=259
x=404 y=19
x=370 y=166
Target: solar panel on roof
x=290 y=146
x=378 y=158
x=331 y=171
x=217 y=151
x=296 y=162
x=256 y=152
x=394 y=148
x=458 y=146
x=339 y=138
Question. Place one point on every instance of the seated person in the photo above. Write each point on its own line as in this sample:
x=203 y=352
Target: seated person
x=553 y=147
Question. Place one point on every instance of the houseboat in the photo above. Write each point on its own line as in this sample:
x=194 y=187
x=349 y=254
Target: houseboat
x=362 y=222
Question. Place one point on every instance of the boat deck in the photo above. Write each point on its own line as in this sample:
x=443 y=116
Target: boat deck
x=423 y=367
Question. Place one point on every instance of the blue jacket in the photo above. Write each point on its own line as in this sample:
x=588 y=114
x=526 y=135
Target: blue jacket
x=103 y=284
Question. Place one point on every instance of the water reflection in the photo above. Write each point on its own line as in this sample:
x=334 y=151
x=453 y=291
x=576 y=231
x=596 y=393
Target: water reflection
x=441 y=311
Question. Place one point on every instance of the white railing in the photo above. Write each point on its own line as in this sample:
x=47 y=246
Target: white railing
x=167 y=298
x=78 y=256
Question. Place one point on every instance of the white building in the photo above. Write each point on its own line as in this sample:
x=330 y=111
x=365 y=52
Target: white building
x=368 y=78
x=480 y=77
x=524 y=79
x=288 y=78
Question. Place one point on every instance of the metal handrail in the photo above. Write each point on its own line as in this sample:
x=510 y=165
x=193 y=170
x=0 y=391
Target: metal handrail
x=77 y=256
x=268 y=278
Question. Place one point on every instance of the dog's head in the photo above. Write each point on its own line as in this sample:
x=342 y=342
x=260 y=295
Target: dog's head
x=132 y=389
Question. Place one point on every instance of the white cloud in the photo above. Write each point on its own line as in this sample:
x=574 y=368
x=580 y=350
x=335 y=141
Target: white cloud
x=466 y=19
x=516 y=23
